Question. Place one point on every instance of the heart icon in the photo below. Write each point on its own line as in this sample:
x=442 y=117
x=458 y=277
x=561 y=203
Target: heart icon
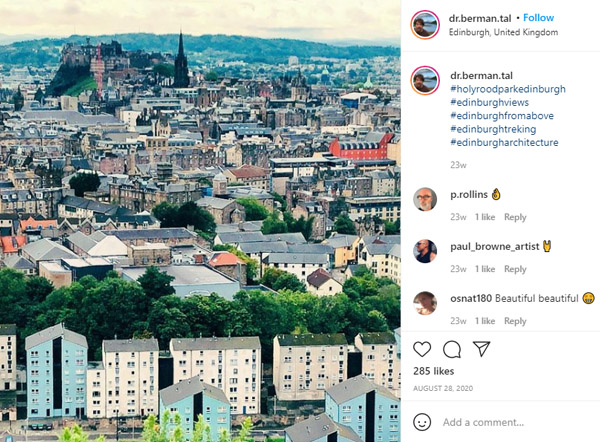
x=422 y=348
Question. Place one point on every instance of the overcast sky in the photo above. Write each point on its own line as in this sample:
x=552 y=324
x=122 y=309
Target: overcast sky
x=304 y=19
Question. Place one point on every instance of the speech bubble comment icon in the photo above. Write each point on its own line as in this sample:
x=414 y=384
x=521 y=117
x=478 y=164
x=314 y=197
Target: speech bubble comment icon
x=452 y=349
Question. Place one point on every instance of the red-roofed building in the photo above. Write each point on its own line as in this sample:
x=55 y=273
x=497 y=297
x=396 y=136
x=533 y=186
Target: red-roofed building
x=12 y=244
x=373 y=147
x=35 y=224
x=249 y=175
x=229 y=264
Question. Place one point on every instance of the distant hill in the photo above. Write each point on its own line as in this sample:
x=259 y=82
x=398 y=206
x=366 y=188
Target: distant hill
x=198 y=48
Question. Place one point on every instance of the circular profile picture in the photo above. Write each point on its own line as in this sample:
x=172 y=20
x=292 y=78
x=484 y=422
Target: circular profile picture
x=425 y=303
x=425 y=199
x=425 y=25
x=425 y=251
x=425 y=80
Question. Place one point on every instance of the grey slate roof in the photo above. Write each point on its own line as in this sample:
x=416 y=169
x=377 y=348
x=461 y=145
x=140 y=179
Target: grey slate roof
x=54 y=332
x=317 y=428
x=297 y=258
x=46 y=250
x=82 y=241
x=239 y=237
x=17 y=262
x=292 y=238
x=339 y=240
x=388 y=239
x=71 y=117
x=217 y=203
x=395 y=250
x=354 y=387
x=379 y=249
x=189 y=387
x=98 y=235
x=311 y=248
x=263 y=246
x=129 y=345
x=248 y=191
x=132 y=234
x=214 y=343
x=84 y=203
x=8 y=329
x=310 y=339
x=247 y=226
x=191 y=275
x=374 y=137
x=378 y=338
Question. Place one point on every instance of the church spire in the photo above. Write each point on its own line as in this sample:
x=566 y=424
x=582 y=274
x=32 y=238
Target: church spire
x=180 y=52
x=181 y=69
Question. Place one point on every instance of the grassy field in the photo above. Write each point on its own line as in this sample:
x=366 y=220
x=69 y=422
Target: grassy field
x=86 y=84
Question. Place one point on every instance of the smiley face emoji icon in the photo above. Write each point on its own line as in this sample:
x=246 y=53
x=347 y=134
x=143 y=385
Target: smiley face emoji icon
x=588 y=298
x=422 y=422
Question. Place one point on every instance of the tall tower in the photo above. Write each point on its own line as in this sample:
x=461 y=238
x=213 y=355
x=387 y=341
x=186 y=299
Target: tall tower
x=181 y=69
x=219 y=185
x=99 y=70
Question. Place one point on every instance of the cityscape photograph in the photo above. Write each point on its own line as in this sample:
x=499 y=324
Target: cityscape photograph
x=200 y=221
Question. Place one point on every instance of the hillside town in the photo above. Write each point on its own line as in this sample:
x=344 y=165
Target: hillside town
x=202 y=240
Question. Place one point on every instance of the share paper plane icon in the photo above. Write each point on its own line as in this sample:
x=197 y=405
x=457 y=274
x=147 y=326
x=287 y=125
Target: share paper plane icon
x=482 y=346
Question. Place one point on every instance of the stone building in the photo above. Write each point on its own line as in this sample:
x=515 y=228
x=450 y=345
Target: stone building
x=304 y=366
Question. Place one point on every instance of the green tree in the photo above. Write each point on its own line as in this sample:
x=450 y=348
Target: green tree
x=376 y=322
x=351 y=288
x=392 y=228
x=143 y=334
x=280 y=280
x=288 y=281
x=164 y=70
x=201 y=431
x=273 y=225
x=178 y=434
x=281 y=200
x=244 y=431
x=211 y=76
x=362 y=271
x=39 y=95
x=38 y=288
x=156 y=284
x=84 y=182
x=170 y=430
x=167 y=320
x=171 y=215
x=190 y=213
x=387 y=301
x=166 y=213
x=255 y=211
x=151 y=430
x=344 y=225
x=14 y=302
x=76 y=434
x=301 y=225
x=113 y=306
